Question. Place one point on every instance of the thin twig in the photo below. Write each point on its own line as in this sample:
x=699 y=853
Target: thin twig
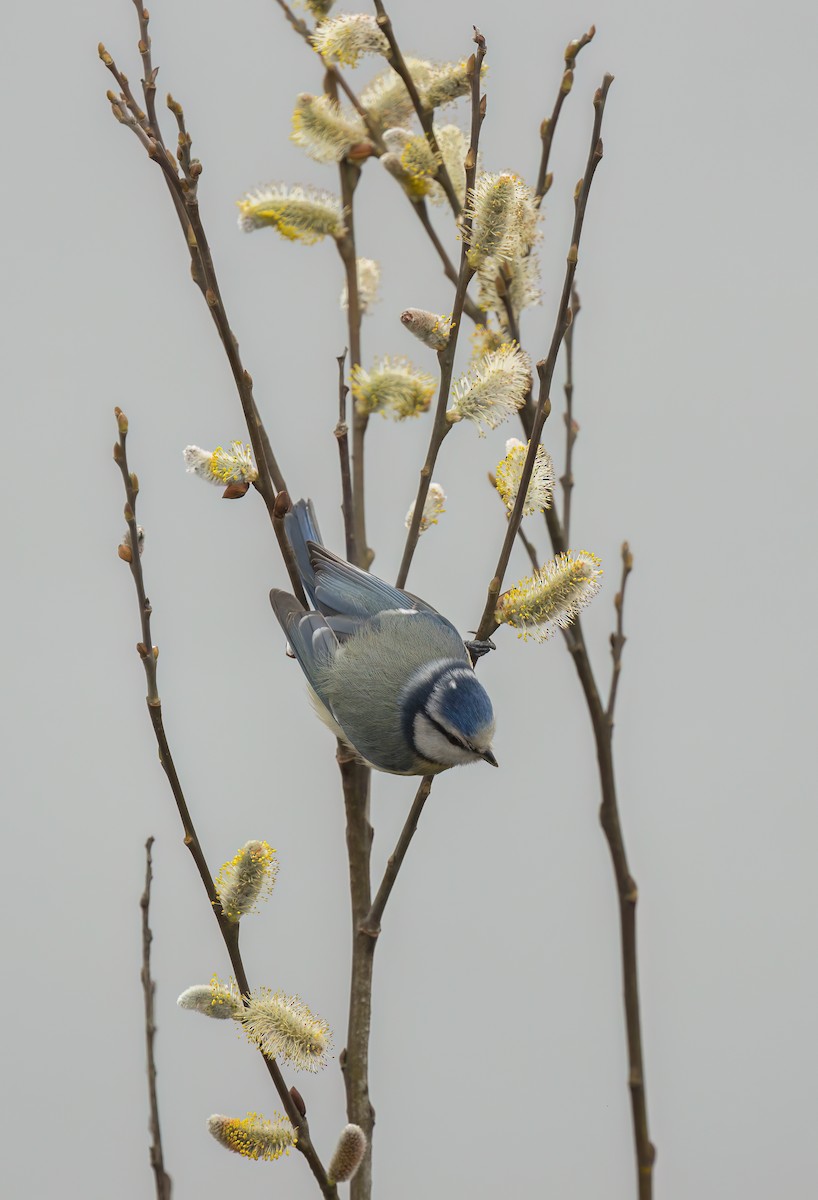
x=618 y=638
x=164 y=1186
x=549 y=125
x=371 y=925
x=441 y=425
x=545 y=368
x=425 y=114
x=627 y=892
x=530 y=548
x=449 y=270
x=571 y=427
x=354 y=1060
x=342 y=436
x=184 y=189
x=229 y=930
x=349 y=175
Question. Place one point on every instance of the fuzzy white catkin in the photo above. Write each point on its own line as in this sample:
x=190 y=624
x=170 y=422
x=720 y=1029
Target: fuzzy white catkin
x=348 y=1154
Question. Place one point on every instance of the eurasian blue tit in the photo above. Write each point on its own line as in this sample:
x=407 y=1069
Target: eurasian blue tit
x=388 y=674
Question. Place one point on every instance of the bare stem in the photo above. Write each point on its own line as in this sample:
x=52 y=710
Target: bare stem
x=618 y=638
x=350 y=175
x=627 y=892
x=549 y=125
x=545 y=368
x=164 y=1186
x=342 y=436
x=441 y=425
x=355 y=778
x=229 y=930
x=371 y=925
x=181 y=176
x=571 y=427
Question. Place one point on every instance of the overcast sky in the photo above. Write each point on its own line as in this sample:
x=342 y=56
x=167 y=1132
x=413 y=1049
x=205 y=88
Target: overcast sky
x=498 y=1059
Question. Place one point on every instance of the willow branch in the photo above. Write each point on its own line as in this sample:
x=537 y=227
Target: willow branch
x=442 y=425
x=425 y=114
x=549 y=125
x=449 y=270
x=229 y=930
x=627 y=892
x=372 y=923
x=618 y=638
x=164 y=1186
x=350 y=175
x=181 y=177
x=355 y=779
x=545 y=368
x=342 y=437
x=571 y=427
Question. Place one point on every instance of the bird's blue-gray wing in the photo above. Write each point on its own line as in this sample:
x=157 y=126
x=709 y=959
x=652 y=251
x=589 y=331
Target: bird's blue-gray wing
x=301 y=527
x=341 y=588
x=313 y=642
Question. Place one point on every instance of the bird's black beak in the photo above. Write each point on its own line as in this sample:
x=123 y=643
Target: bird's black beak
x=489 y=758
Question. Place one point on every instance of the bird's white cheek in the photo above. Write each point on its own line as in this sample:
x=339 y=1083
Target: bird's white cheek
x=435 y=747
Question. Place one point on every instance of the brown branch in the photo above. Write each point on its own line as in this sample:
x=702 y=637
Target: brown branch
x=184 y=189
x=571 y=427
x=545 y=368
x=627 y=892
x=350 y=174
x=618 y=638
x=371 y=925
x=229 y=930
x=164 y=1186
x=342 y=436
x=354 y=1060
x=441 y=425
x=425 y=114
x=449 y=270
x=549 y=125
x=530 y=549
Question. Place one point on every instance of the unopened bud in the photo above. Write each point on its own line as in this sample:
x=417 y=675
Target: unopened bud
x=235 y=491
x=298 y=1101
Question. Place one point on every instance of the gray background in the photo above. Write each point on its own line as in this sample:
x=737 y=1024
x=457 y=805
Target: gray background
x=498 y=1046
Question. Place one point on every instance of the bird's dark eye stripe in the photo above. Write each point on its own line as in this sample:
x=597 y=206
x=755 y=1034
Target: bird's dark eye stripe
x=449 y=736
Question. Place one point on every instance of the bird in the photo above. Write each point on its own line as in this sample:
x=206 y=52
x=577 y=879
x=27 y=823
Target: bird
x=387 y=673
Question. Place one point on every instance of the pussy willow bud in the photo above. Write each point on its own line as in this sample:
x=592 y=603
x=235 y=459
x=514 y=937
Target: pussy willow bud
x=220 y=466
x=323 y=129
x=253 y=1136
x=504 y=218
x=429 y=328
x=346 y=38
x=368 y=274
x=245 y=878
x=492 y=389
x=140 y=539
x=447 y=84
x=539 y=605
x=300 y=214
x=348 y=1154
x=509 y=475
x=392 y=387
x=221 y=1001
x=432 y=508
x=283 y=1027
x=386 y=99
